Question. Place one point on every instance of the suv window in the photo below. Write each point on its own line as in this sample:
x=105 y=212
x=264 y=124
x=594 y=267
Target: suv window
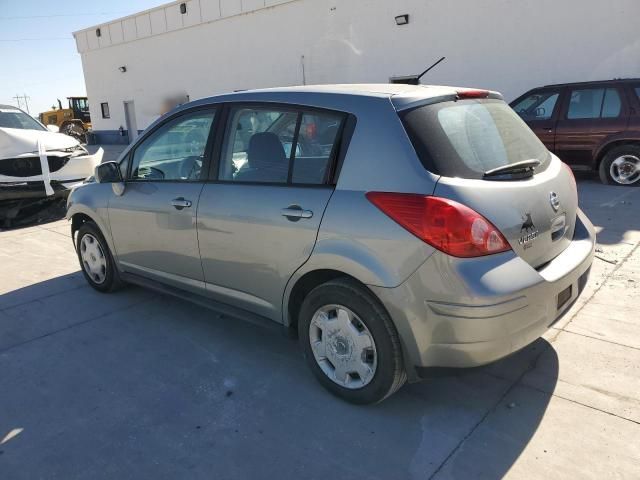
x=612 y=104
x=537 y=106
x=589 y=103
x=469 y=137
x=175 y=151
x=279 y=146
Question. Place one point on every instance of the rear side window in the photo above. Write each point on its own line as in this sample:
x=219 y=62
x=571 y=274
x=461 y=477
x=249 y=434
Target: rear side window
x=594 y=103
x=469 y=137
x=265 y=145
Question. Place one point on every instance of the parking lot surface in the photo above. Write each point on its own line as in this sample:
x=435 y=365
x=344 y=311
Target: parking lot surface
x=139 y=385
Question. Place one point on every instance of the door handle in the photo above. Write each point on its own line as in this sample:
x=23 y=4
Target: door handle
x=295 y=213
x=180 y=203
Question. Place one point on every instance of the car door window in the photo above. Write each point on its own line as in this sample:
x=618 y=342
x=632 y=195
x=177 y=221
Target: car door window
x=258 y=145
x=537 y=106
x=175 y=151
x=612 y=104
x=316 y=146
x=585 y=103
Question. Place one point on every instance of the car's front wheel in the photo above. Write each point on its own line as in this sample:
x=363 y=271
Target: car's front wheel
x=350 y=342
x=621 y=166
x=96 y=260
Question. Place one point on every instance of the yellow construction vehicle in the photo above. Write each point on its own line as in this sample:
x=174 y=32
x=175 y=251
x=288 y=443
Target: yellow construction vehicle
x=74 y=121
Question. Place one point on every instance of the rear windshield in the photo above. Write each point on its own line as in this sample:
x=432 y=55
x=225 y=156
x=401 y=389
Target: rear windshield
x=466 y=138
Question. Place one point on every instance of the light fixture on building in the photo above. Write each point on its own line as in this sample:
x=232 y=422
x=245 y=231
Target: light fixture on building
x=98 y=32
x=122 y=69
x=183 y=8
x=402 y=19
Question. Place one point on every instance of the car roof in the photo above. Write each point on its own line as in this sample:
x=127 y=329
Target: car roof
x=401 y=95
x=595 y=82
x=12 y=107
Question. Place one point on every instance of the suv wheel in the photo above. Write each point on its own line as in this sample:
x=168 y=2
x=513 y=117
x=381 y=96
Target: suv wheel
x=350 y=342
x=621 y=166
x=96 y=260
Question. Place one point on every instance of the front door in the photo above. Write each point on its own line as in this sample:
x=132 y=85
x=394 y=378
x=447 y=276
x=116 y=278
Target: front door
x=154 y=222
x=258 y=223
x=540 y=110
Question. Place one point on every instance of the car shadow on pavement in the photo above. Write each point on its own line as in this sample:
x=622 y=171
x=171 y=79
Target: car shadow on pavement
x=107 y=383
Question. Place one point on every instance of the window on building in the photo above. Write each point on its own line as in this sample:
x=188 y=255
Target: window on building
x=175 y=151
x=104 y=107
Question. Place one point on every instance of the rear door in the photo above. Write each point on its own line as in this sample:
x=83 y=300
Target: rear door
x=259 y=217
x=539 y=109
x=153 y=222
x=464 y=139
x=588 y=116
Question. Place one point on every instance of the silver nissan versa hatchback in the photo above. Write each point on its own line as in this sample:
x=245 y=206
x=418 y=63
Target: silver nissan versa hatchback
x=395 y=229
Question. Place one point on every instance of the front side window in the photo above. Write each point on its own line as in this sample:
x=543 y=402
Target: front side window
x=537 y=106
x=175 y=151
x=279 y=146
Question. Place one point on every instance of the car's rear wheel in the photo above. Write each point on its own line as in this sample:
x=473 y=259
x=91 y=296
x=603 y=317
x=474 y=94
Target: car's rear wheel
x=621 y=166
x=350 y=342
x=96 y=260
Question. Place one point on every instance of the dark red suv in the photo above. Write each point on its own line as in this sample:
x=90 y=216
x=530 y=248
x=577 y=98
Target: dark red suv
x=589 y=125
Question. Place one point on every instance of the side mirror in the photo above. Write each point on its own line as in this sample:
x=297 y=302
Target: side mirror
x=53 y=128
x=108 y=172
x=541 y=112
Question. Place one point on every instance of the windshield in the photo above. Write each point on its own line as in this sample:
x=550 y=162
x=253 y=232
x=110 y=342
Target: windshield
x=470 y=137
x=14 y=118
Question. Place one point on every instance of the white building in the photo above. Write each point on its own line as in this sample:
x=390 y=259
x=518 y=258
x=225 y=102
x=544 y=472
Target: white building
x=197 y=48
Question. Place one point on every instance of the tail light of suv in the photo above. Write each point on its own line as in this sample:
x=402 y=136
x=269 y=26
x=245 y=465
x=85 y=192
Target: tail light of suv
x=444 y=224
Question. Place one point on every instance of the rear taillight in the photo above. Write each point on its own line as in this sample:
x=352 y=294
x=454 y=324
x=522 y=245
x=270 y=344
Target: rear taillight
x=444 y=224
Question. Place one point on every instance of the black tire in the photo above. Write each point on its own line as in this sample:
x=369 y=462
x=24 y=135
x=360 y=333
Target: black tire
x=605 y=165
x=390 y=374
x=112 y=280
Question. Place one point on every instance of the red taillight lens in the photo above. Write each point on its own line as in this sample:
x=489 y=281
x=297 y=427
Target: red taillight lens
x=464 y=94
x=444 y=224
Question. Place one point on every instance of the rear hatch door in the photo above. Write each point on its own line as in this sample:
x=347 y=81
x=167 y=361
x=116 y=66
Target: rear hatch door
x=490 y=161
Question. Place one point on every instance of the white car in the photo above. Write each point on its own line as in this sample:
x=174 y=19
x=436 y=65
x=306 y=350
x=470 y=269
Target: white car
x=37 y=164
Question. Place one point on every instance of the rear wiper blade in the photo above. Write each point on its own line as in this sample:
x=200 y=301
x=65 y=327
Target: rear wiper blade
x=517 y=167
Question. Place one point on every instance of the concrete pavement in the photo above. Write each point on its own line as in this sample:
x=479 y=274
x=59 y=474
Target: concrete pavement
x=138 y=385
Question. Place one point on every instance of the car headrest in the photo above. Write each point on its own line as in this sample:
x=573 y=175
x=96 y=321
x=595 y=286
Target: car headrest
x=265 y=149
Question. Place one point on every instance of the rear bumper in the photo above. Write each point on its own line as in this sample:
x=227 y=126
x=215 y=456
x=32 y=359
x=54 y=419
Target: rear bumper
x=469 y=312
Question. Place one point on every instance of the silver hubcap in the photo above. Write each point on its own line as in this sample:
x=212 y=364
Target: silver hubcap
x=94 y=261
x=343 y=346
x=625 y=169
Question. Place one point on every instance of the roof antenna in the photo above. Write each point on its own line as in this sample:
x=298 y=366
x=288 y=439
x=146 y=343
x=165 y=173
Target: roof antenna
x=429 y=69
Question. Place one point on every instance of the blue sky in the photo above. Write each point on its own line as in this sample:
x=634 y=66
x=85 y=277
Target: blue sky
x=38 y=55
